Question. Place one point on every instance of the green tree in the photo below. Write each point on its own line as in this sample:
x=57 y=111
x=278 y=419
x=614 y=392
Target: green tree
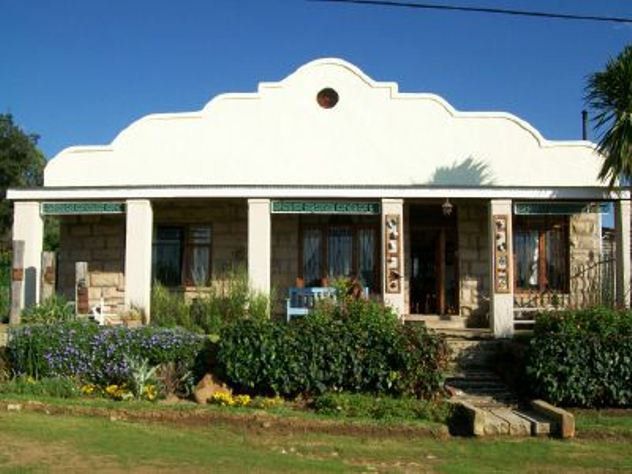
x=609 y=95
x=21 y=165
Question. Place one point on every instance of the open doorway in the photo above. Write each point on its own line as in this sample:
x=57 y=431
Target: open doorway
x=433 y=260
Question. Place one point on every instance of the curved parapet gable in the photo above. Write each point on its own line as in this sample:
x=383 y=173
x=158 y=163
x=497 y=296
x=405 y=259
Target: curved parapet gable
x=284 y=134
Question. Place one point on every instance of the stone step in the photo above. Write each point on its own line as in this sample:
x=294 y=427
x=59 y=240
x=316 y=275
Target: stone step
x=473 y=353
x=540 y=426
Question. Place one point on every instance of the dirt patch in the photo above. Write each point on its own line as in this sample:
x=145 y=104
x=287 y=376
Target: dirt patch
x=257 y=422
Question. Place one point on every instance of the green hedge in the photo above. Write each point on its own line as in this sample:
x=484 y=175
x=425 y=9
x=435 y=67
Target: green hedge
x=582 y=358
x=357 y=346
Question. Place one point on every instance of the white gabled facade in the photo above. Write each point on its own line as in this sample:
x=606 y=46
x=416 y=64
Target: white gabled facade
x=278 y=143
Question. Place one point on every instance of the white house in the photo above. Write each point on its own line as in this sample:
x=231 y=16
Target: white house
x=328 y=173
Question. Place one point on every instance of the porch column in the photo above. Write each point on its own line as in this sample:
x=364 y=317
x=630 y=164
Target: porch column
x=138 y=241
x=259 y=244
x=501 y=268
x=28 y=227
x=622 y=229
x=393 y=254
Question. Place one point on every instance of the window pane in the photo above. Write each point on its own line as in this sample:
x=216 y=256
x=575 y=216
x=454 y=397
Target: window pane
x=366 y=257
x=167 y=256
x=199 y=255
x=526 y=250
x=200 y=235
x=555 y=258
x=340 y=247
x=312 y=251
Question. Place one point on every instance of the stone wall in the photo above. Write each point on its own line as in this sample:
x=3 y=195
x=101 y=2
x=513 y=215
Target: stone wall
x=585 y=266
x=285 y=253
x=100 y=241
x=228 y=219
x=473 y=233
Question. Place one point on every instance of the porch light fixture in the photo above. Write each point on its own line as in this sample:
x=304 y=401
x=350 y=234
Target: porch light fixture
x=446 y=207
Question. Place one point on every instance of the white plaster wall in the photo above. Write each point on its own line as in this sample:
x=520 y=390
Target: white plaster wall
x=279 y=135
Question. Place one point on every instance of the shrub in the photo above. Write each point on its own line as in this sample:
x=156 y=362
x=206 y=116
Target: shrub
x=380 y=408
x=5 y=286
x=60 y=387
x=52 y=310
x=228 y=300
x=355 y=345
x=582 y=358
x=96 y=354
x=5 y=368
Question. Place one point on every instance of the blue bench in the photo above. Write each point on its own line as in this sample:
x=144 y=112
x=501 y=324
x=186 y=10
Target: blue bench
x=301 y=301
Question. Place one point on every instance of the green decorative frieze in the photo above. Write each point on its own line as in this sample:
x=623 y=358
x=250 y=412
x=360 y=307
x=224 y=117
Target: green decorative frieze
x=90 y=207
x=558 y=208
x=325 y=207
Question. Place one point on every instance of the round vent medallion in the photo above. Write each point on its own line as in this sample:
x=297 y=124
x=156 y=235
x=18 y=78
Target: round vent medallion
x=327 y=98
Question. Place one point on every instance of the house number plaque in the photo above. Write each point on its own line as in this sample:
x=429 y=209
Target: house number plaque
x=392 y=240
x=502 y=270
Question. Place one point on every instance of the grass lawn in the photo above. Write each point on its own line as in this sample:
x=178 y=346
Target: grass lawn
x=37 y=442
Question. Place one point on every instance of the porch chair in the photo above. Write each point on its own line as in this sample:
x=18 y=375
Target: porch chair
x=301 y=301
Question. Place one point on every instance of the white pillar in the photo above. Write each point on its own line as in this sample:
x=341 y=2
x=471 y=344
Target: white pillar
x=501 y=268
x=622 y=227
x=259 y=244
x=138 y=242
x=28 y=226
x=393 y=254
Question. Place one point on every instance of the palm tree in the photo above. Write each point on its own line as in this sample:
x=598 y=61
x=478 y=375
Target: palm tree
x=609 y=95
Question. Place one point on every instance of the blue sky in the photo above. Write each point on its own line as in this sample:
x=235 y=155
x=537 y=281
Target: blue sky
x=77 y=72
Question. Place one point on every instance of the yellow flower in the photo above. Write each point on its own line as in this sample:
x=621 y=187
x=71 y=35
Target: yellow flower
x=241 y=400
x=150 y=392
x=88 y=389
x=224 y=399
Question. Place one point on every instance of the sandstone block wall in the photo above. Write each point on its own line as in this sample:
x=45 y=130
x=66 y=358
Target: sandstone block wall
x=100 y=241
x=472 y=225
x=228 y=219
x=586 y=267
x=285 y=254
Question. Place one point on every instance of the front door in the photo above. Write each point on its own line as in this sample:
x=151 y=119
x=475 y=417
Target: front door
x=433 y=261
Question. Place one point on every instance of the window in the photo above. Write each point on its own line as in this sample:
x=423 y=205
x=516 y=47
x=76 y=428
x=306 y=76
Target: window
x=541 y=253
x=334 y=251
x=167 y=256
x=182 y=255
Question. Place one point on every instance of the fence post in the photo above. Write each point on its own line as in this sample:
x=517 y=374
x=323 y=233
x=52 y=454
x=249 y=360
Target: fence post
x=82 y=303
x=47 y=283
x=17 y=282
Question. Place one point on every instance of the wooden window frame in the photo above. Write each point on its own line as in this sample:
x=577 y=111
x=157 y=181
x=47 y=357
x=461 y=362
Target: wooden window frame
x=186 y=280
x=543 y=224
x=323 y=229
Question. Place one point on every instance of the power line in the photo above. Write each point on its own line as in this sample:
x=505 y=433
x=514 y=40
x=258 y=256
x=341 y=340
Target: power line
x=498 y=11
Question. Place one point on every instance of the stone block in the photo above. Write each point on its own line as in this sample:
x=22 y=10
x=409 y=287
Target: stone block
x=115 y=242
x=80 y=255
x=81 y=230
x=564 y=420
x=114 y=266
x=108 y=229
x=101 y=279
x=105 y=254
